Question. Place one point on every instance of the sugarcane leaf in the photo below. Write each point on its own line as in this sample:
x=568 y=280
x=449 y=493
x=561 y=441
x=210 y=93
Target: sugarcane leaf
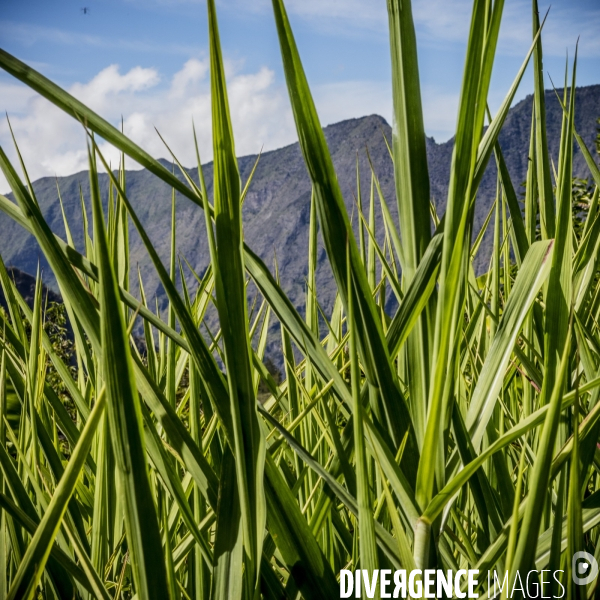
x=532 y=275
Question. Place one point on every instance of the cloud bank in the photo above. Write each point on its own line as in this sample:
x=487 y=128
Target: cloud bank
x=53 y=143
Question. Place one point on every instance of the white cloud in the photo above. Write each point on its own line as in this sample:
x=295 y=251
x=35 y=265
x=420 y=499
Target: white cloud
x=110 y=83
x=52 y=143
x=14 y=95
x=193 y=72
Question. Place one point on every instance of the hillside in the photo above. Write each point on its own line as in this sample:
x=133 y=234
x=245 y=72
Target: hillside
x=276 y=211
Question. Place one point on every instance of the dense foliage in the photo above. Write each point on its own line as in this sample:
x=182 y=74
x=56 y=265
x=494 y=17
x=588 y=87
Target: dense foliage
x=458 y=433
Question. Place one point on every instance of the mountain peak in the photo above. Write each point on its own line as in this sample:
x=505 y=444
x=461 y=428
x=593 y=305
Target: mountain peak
x=276 y=210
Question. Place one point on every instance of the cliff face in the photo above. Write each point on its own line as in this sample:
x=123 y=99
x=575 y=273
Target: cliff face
x=277 y=207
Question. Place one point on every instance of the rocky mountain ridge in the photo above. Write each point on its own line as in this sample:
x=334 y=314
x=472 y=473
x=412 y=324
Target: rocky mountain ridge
x=277 y=207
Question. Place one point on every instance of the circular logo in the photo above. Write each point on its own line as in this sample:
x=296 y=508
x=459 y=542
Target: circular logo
x=584 y=568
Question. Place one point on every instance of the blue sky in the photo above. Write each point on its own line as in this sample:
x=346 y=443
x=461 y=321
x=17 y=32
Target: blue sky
x=147 y=62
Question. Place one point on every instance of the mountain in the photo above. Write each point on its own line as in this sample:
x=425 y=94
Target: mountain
x=277 y=207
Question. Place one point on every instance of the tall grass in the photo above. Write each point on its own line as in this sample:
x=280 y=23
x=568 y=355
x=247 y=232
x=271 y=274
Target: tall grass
x=458 y=433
